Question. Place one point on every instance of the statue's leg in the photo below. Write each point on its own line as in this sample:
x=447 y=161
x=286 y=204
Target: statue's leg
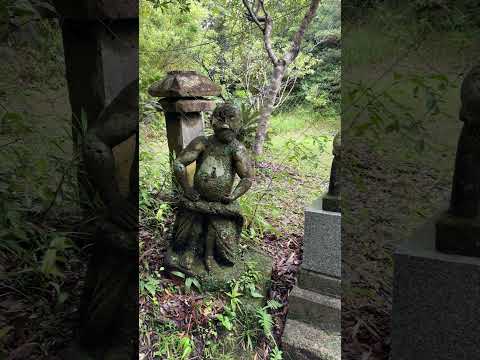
x=188 y=230
x=227 y=235
x=210 y=248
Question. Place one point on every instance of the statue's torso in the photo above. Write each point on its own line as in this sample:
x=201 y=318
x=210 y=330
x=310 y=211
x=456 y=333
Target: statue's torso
x=215 y=172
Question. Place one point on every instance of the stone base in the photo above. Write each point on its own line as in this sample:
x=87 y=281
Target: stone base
x=310 y=280
x=436 y=301
x=313 y=325
x=458 y=236
x=304 y=342
x=318 y=310
x=322 y=244
x=220 y=276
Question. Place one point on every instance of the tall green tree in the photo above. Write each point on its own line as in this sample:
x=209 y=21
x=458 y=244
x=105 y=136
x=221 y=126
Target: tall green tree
x=258 y=14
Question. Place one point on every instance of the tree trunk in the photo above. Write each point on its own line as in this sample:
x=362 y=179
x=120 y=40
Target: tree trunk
x=267 y=108
x=265 y=24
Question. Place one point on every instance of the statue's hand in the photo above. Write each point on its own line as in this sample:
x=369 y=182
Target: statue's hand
x=124 y=214
x=227 y=199
x=192 y=194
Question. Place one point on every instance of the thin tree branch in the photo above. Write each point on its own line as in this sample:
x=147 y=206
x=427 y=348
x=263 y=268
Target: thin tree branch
x=267 y=39
x=266 y=29
x=252 y=15
x=299 y=35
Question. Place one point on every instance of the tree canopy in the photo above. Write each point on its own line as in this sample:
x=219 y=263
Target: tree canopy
x=214 y=38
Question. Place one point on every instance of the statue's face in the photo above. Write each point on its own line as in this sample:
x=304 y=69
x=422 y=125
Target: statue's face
x=225 y=135
x=223 y=130
x=226 y=122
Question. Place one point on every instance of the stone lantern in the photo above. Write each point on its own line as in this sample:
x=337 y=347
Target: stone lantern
x=182 y=98
x=100 y=40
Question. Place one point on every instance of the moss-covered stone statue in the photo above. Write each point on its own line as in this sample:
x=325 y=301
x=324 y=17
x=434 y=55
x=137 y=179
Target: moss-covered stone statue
x=331 y=201
x=209 y=223
x=109 y=306
x=458 y=231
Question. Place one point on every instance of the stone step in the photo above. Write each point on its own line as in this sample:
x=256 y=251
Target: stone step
x=321 y=311
x=304 y=342
x=320 y=283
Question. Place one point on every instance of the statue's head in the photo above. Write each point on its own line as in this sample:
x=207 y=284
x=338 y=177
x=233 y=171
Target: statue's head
x=470 y=95
x=226 y=122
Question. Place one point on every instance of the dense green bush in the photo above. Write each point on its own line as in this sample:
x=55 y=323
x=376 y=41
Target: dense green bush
x=322 y=88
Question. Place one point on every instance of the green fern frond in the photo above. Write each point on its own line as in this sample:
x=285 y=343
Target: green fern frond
x=266 y=321
x=274 y=304
x=276 y=354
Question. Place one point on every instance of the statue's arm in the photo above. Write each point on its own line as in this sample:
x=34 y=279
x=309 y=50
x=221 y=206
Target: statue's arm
x=244 y=169
x=100 y=162
x=185 y=158
x=112 y=129
x=116 y=123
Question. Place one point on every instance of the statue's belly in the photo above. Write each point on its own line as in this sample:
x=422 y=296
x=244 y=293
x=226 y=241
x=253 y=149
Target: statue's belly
x=214 y=177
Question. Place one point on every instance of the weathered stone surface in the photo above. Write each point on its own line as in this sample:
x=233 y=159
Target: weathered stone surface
x=322 y=241
x=182 y=129
x=178 y=84
x=314 y=322
x=320 y=311
x=208 y=223
x=94 y=9
x=219 y=277
x=436 y=301
x=97 y=65
x=118 y=56
x=304 y=342
x=183 y=106
x=320 y=283
x=187 y=106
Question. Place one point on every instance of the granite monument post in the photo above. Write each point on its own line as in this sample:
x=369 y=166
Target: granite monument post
x=437 y=272
x=312 y=330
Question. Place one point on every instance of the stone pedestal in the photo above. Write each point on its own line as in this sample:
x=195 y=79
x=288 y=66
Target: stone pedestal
x=313 y=324
x=322 y=246
x=436 y=312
